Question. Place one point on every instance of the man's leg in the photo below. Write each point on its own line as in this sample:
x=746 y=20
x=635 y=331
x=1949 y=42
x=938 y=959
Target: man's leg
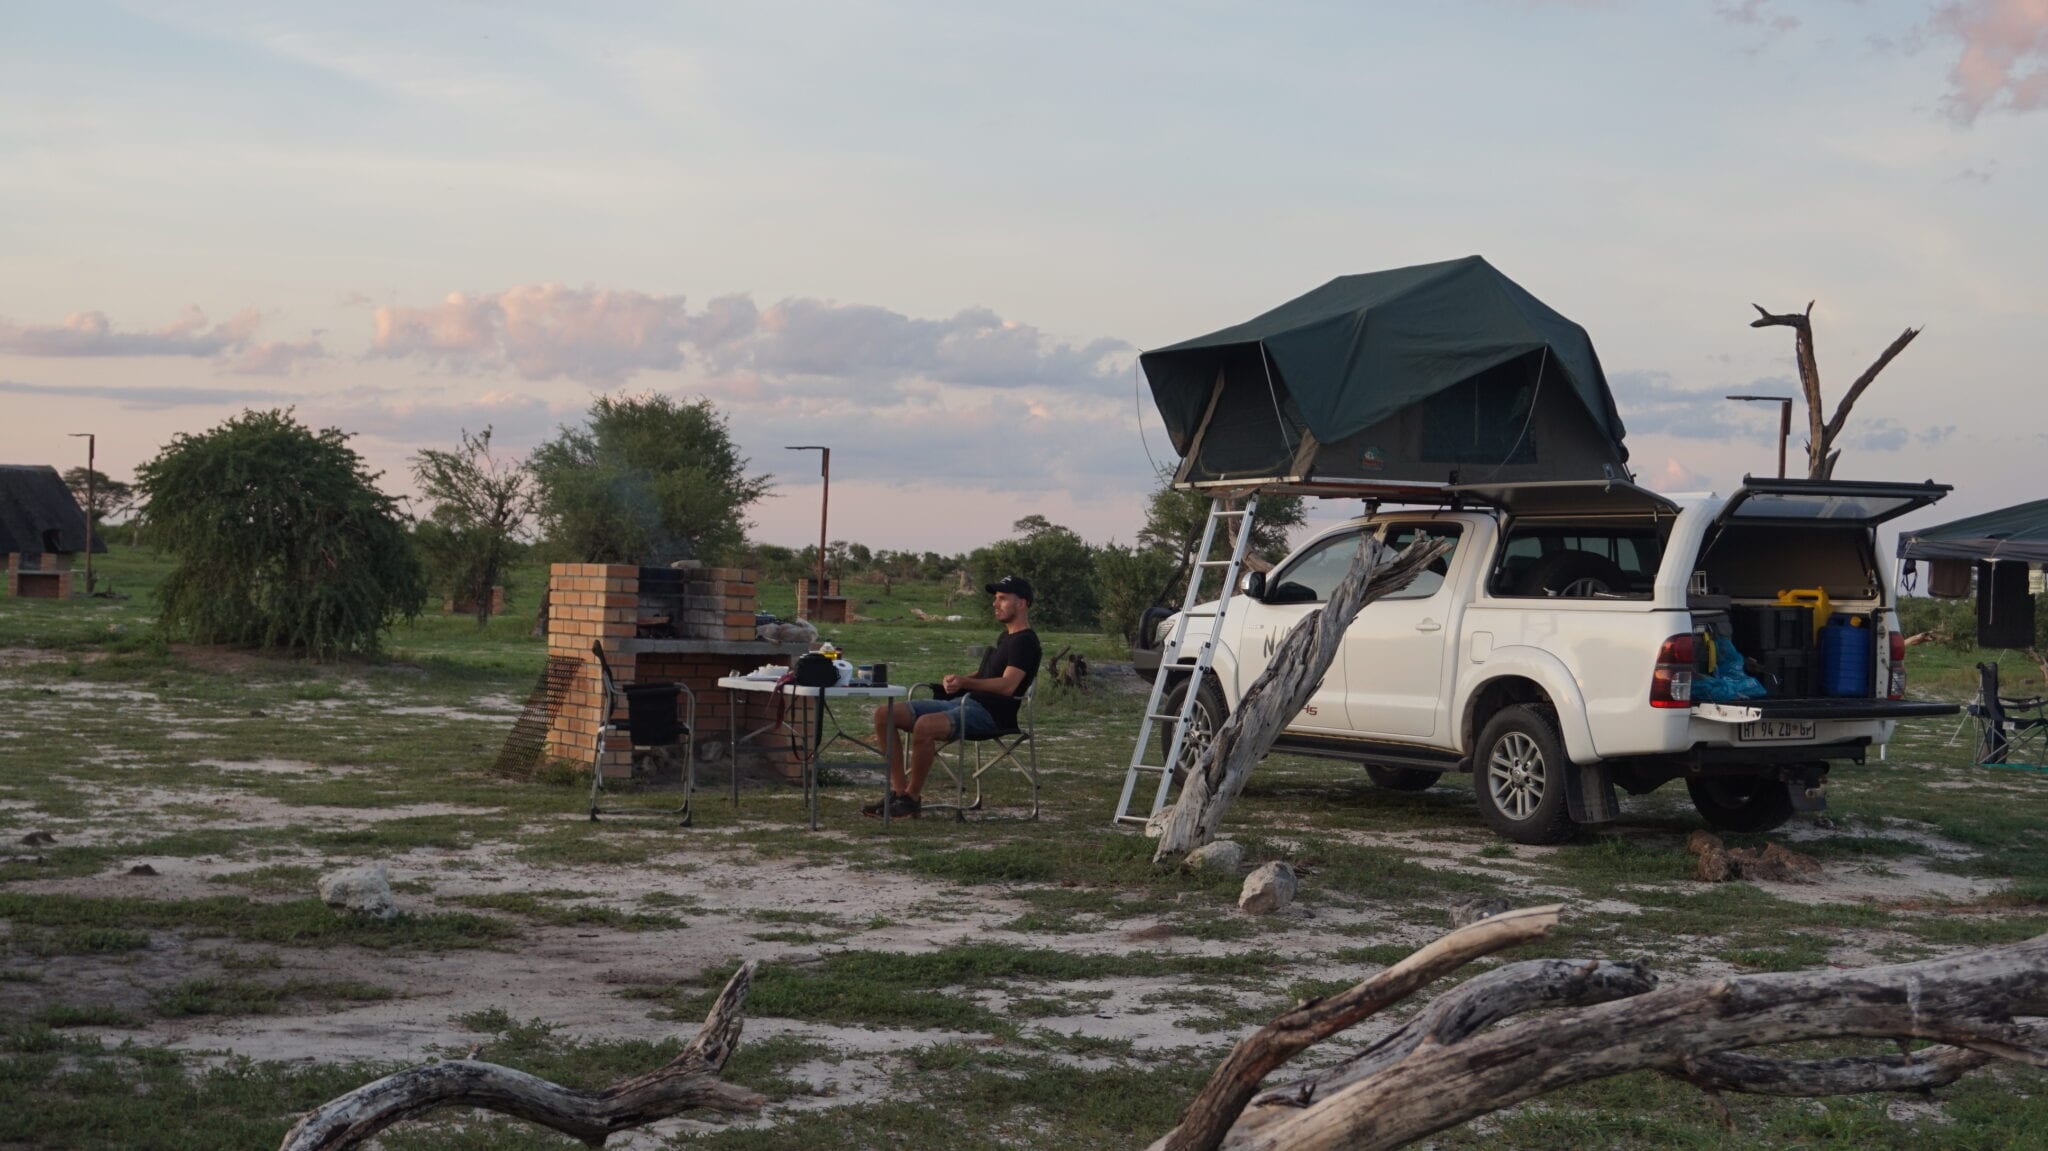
x=926 y=735
x=898 y=716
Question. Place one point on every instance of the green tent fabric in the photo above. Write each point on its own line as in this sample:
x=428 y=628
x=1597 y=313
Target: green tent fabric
x=1357 y=352
x=2019 y=532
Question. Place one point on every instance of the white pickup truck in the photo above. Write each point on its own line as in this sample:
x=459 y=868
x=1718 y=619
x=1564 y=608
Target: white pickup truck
x=1554 y=651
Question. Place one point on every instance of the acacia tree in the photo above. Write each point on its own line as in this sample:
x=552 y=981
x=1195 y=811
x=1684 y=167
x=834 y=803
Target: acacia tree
x=98 y=493
x=646 y=480
x=481 y=504
x=1059 y=564
x=1821 y=452
x=282 y=539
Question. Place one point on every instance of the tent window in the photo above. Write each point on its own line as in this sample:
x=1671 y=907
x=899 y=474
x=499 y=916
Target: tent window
x=1481 y=420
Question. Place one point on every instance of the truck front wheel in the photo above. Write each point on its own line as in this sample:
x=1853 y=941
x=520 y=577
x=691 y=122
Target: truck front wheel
x=1203 y=724
x=1741 y=802
x=1518 y=772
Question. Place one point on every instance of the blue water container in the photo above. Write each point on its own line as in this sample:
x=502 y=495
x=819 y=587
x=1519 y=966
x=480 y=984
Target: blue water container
x=1847 y=659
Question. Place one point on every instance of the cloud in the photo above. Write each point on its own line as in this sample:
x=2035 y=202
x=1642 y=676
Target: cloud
x=545 y=331
x=276 y=357
x=147 y=398
x=92 y=334
x=1754 y=14
x=1676 y=477
x=1651 y=404
x=2004 y=57
x=542 y=331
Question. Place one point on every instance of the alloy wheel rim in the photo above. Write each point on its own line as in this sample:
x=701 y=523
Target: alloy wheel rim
x=1515 y=776
x=1200 y=734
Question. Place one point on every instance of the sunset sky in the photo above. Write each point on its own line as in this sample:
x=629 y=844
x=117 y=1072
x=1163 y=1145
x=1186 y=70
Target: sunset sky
x=935 y=236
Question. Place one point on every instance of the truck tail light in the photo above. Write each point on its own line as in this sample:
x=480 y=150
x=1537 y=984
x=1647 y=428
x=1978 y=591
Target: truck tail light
x=1896 y=688
x=1671 y=682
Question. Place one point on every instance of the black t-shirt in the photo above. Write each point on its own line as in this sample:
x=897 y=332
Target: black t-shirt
x=1012 y=649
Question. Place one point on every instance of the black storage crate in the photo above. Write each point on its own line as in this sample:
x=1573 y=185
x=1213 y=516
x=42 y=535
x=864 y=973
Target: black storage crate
x=1787 y=674
x=1760 y=631
x=651 y=713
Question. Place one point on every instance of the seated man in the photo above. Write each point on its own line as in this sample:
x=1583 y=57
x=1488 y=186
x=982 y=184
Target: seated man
x=974 y=706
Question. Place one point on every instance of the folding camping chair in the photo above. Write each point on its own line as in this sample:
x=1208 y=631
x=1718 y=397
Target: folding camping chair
x=651 y=725
x=1008 y=742
x=2011 y=732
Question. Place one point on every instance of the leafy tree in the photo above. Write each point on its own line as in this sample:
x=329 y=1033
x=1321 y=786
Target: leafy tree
x=646 y=480
x=282 y=540
x=1173 y=526
x=481 y=504
x=1059 y=564
x=98 y=493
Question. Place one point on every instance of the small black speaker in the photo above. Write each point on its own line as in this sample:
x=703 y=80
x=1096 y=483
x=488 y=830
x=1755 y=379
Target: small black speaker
x=2005 y=612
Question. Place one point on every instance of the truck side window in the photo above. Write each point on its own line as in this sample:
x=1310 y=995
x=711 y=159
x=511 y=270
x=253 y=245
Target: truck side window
x=1426 y=584
x=1550 y=560
x=1315 y=574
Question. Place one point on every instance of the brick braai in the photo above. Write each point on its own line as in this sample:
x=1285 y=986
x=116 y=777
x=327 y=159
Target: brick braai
x=657 y=624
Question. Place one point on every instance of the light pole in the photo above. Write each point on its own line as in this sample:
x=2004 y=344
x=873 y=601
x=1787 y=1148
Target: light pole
x=824 y=507
x=1784 y=423
x=91 y=492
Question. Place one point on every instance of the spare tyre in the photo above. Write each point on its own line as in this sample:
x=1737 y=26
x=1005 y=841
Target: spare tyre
x=1573 y=575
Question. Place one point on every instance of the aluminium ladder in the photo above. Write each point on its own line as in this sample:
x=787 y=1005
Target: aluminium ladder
x=1169 y=659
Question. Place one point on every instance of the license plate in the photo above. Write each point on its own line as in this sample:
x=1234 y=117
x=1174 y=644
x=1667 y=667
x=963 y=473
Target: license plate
x=1775 y=730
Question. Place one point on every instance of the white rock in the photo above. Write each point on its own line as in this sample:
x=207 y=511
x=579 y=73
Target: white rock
x=363 y=890
x=1268 y=889
x=1223 y=857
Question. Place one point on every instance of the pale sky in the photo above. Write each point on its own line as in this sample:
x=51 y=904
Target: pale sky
x=934 y=236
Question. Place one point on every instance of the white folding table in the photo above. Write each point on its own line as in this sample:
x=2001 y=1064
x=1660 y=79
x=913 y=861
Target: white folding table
x=808 y=759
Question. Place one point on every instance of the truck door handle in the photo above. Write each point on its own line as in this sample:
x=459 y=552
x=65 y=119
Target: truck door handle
x=1429 y=625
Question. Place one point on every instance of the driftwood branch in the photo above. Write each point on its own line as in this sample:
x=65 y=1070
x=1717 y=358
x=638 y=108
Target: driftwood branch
x=1855 y=392
x=1280 y=692
x=688 y=1081
x=1451 y=1064
x=1233 y=1084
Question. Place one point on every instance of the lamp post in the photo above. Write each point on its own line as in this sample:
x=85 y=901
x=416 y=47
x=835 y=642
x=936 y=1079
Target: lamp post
x=1784 y=423
x=91 y=493
x=824 y=507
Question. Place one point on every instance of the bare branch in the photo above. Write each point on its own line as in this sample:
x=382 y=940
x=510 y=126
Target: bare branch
x=1233 y=1084
x=690 y=1080
x=1809 y=379
x=1855 y=392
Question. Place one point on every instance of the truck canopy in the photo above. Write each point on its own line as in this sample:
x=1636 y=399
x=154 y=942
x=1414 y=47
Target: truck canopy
x=1416 y=376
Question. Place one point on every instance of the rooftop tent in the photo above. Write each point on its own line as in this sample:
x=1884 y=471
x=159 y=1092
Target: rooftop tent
x=2019 y=532
x=38 y=513
x=1425 y=375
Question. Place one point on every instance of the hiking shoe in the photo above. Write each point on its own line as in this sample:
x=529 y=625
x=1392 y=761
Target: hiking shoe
x=873 y=808
x=904 y=806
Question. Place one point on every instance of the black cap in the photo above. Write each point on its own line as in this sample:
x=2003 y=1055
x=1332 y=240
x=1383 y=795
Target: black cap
x=1021 y=588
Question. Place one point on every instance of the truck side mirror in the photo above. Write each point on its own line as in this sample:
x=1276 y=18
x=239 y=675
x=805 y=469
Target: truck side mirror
x=1255 y=585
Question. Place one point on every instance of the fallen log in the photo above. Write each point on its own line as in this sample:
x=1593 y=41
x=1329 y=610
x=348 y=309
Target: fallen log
x=1279 y=693
x=1451 y=1064
x=688 y=1081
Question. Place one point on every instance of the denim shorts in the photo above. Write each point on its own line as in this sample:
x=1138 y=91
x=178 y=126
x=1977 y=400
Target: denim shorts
x=980 y=724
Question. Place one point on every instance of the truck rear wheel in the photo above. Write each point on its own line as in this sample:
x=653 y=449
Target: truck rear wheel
x=1741 y=802
x=1401 y=778
x=1518 y=772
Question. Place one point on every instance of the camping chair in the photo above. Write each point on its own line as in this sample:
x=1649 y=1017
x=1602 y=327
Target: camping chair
x=1008 y=742
x=651 y=724
x=2011 y=732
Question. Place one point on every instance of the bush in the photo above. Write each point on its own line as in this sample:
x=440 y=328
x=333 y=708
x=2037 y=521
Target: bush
x=1127 y=581
x=1060 y=566
x=282 y=540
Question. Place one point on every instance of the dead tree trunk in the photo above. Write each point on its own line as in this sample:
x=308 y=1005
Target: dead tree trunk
x=688 y=1081
x=1444 y=1068
x=1821 y=452
x=1280 y=692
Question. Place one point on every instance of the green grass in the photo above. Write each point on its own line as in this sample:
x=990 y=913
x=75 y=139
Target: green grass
x=932 y=941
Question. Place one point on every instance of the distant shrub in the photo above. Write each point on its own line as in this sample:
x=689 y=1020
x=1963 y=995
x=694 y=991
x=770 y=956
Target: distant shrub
x=282 y=539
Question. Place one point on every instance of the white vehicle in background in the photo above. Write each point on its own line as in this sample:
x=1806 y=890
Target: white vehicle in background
x=1553 y=652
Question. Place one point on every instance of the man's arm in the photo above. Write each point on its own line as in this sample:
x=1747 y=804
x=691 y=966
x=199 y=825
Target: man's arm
x=1004 y=684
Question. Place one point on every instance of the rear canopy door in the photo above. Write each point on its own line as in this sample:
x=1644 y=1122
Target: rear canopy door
x=1572 y=499
x=1833 y=502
